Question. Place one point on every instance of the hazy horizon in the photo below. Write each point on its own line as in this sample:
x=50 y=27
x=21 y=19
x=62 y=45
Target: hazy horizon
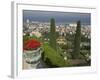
x=60 y=17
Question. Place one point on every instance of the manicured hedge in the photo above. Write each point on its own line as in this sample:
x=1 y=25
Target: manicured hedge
x=53 y=56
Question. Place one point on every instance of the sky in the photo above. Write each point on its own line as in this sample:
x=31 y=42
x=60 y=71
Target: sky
x=60 y=17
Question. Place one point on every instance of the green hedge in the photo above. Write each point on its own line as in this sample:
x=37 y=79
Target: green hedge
x=54 y=57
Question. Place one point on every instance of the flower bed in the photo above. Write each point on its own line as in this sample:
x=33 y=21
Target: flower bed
x=31 y=44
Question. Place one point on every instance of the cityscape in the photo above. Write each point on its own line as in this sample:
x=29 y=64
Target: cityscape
x=54 y=43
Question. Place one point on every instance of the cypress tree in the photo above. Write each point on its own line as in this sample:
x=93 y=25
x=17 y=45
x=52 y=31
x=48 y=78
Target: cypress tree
x=52 y=33
x=77 y=41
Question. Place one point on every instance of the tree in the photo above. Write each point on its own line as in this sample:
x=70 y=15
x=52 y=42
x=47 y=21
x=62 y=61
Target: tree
x=52 y=33
x=77 y=40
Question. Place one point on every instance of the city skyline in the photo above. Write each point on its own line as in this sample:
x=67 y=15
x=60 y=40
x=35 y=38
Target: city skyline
x=60 y=17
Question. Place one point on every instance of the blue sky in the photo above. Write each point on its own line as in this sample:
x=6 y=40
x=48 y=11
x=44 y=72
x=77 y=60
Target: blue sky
x=60 y=17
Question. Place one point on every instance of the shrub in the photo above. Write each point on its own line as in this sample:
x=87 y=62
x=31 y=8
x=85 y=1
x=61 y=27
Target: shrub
x=53 y=56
